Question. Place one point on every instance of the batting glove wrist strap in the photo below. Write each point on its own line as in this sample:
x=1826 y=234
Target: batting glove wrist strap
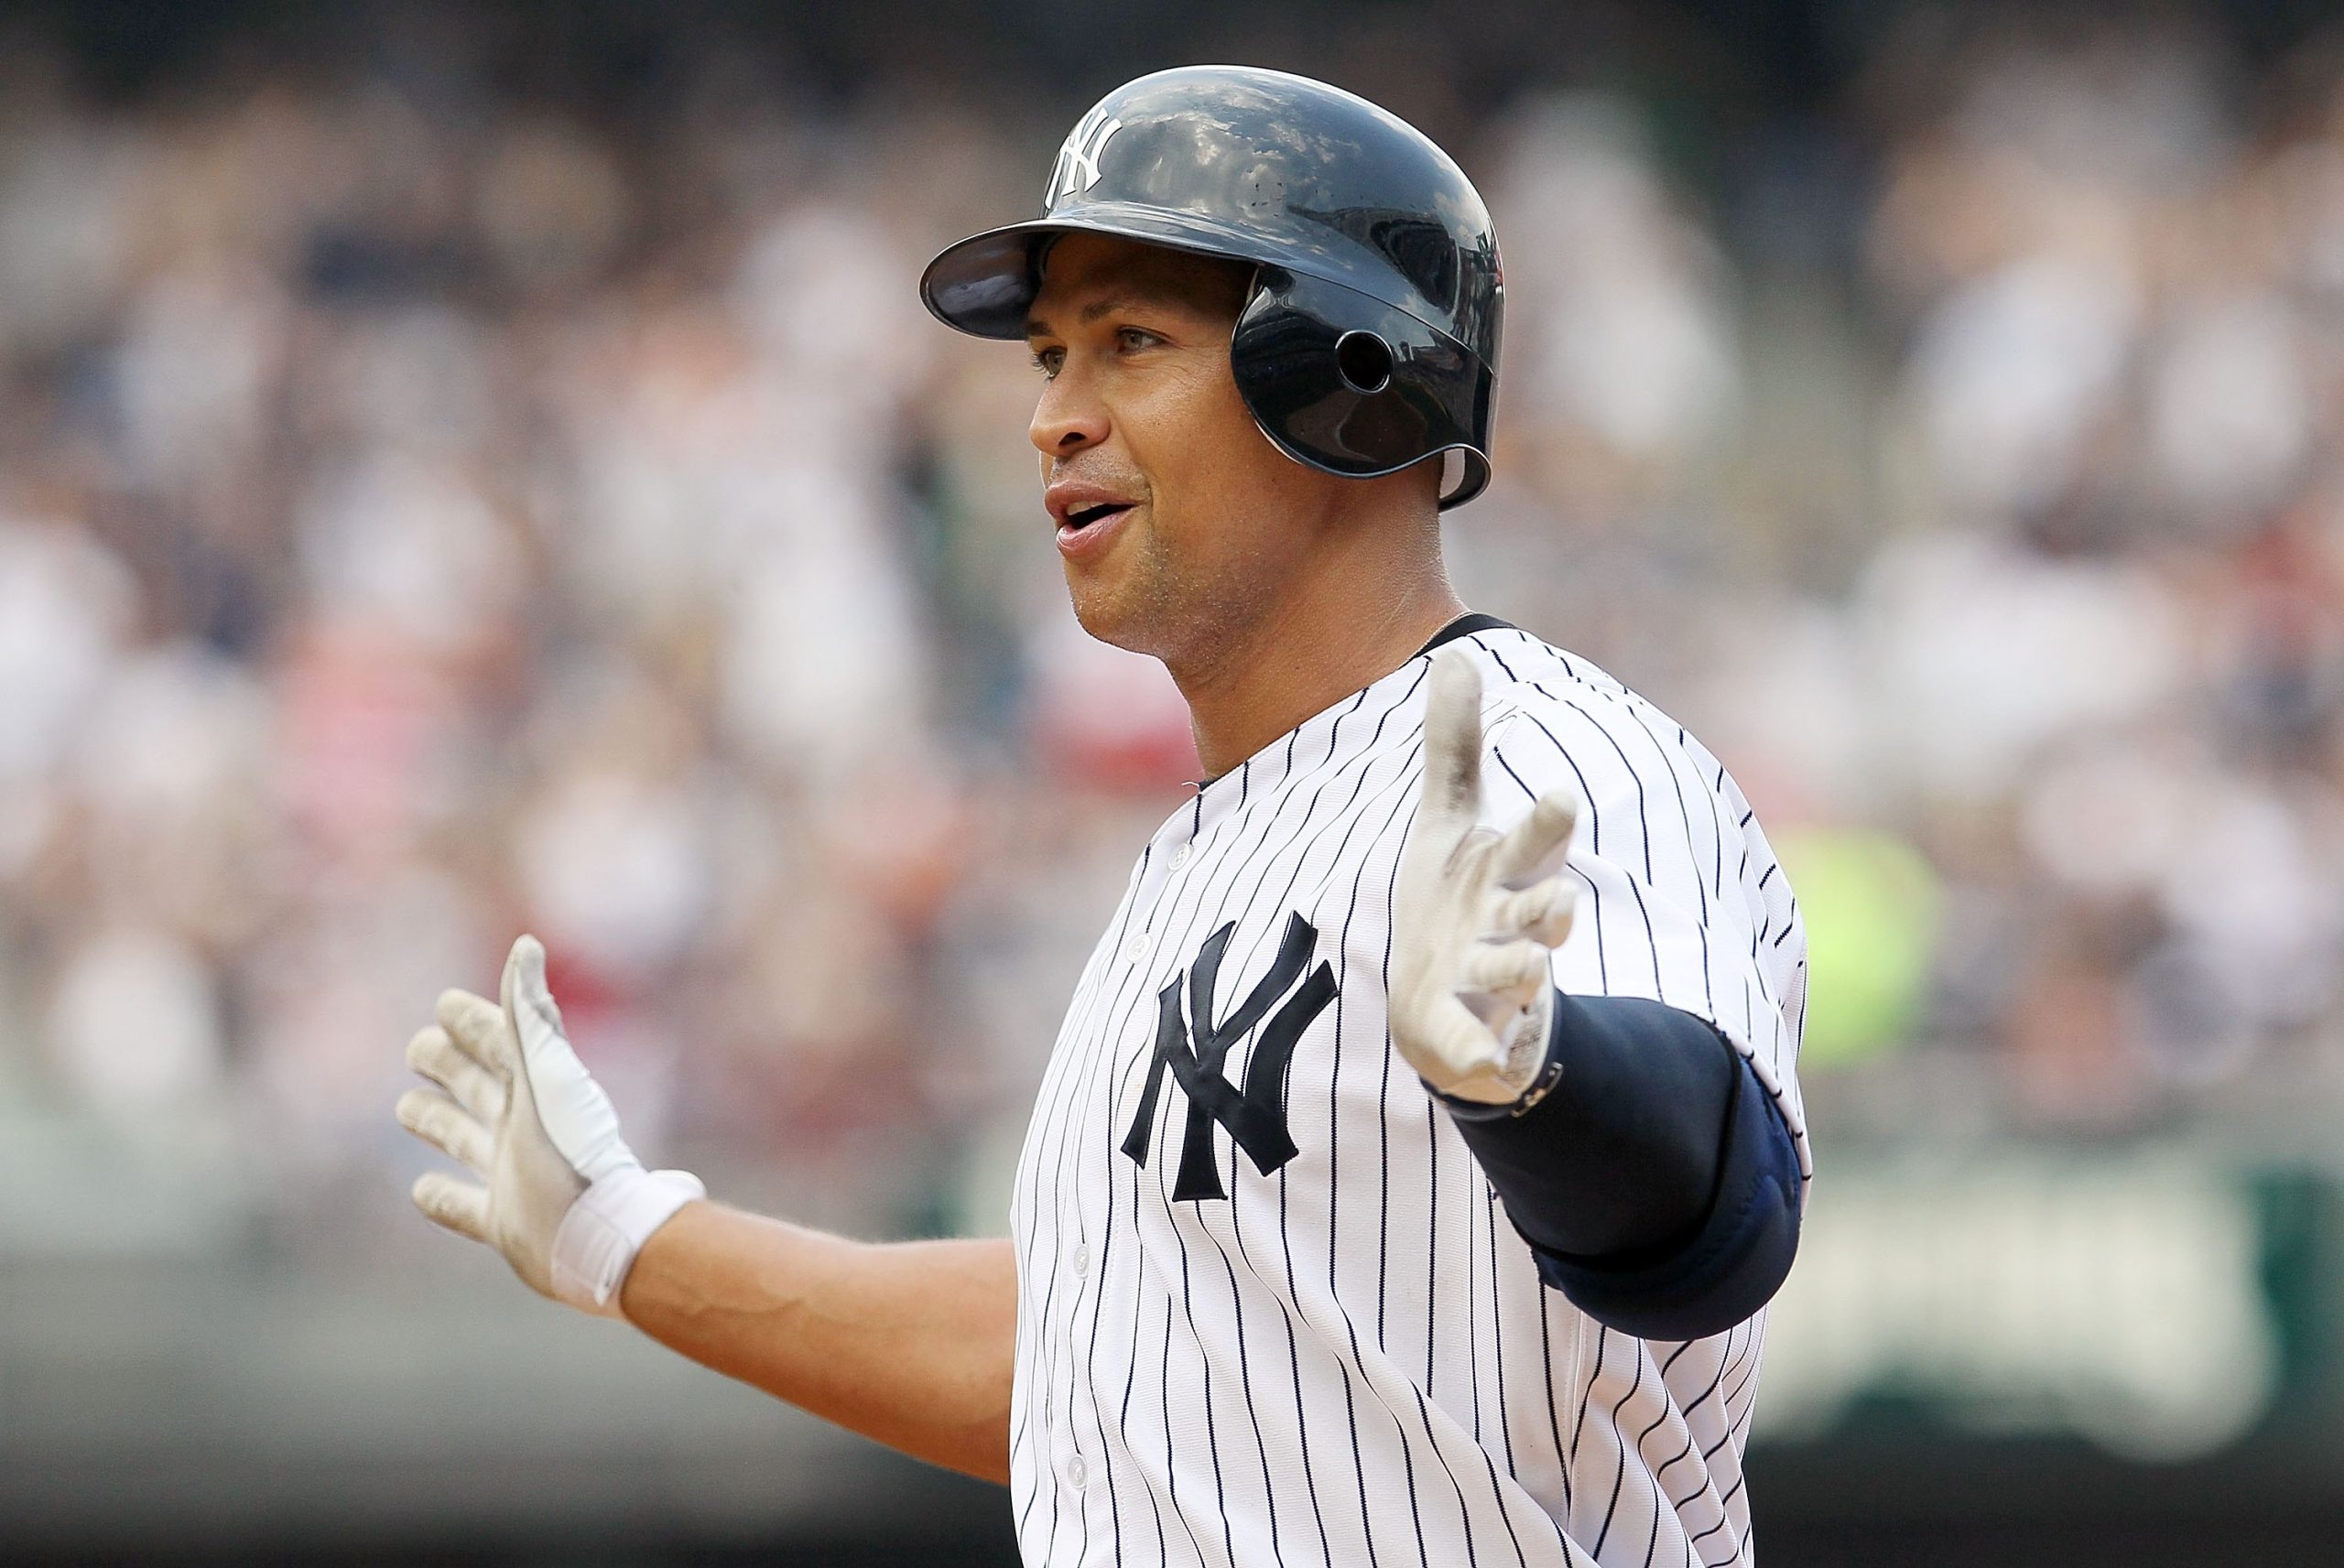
x=598 y=1238
x=1534 y=1066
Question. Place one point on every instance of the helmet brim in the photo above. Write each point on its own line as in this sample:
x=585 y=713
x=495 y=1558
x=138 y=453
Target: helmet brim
x=985 y=285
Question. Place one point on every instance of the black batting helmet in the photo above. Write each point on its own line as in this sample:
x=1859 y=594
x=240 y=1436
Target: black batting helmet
x=1371 y=339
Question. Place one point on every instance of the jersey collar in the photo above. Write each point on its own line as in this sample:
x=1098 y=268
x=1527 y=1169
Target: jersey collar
x=1465 y=625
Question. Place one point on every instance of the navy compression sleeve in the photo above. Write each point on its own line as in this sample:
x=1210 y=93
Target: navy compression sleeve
x=1656 y=1184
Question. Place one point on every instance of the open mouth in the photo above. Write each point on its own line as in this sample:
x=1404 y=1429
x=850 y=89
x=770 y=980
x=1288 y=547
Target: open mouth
x=1082 y=517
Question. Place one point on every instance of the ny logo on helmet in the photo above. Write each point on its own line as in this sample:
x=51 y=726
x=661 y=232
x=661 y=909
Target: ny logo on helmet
x=1194 y=1050
x=1078 y=167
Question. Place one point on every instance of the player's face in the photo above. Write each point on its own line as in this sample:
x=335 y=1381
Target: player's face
x=1176 y=517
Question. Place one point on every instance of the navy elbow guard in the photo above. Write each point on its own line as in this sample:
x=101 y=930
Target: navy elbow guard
x=1658 y=1186
x=1731 y=1266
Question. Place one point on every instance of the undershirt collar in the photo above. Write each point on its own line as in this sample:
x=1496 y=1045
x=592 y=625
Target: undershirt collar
x=1465 y=625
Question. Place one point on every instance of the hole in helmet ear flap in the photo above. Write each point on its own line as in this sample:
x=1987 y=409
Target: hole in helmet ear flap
x=1364 y=362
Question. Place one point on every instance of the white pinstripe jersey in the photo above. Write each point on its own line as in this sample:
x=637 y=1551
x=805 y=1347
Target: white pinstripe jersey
x=1324 y=1343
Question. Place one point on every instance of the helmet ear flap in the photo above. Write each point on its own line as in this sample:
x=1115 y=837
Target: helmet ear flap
x=1352 y=386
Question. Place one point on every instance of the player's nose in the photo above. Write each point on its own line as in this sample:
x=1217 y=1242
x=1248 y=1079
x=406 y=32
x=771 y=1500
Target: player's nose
x=1068 y=417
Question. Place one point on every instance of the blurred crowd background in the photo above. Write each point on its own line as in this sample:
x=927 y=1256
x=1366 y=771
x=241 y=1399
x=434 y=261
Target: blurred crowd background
x=473 y=469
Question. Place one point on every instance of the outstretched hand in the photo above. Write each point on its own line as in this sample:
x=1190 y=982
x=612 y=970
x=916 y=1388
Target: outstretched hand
x=557 y=1193
x=1476 y=913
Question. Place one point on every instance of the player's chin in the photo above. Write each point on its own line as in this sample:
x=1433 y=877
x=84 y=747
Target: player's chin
x=1100 y=582
x=1102 y=612
x=1120 y=609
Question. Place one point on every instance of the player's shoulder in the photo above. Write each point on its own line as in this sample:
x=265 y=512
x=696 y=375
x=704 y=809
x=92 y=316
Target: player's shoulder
x=1547 y=706
x=1521 y=672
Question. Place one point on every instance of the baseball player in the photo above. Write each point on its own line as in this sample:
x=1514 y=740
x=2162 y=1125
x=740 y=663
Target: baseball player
x=1422 y=1144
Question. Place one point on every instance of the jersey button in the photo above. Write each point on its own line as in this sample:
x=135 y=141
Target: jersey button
x=1180 y=856
x=1135 y=948
x=1081 y=1259
x=1076 y=1472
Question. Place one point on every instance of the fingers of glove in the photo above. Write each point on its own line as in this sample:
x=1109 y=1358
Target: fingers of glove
x=1511 y=970
x=435 y=1056
x=453 y=1204
x=1536 y=847
x=477 y=1025
x=1452 y=792
x=1541 y=912
x=447 y=1127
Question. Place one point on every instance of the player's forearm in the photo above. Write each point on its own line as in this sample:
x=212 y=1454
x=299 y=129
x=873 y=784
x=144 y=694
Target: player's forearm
x=909 y=1343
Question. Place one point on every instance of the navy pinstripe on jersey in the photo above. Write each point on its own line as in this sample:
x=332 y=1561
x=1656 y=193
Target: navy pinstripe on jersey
x=1340 y=1352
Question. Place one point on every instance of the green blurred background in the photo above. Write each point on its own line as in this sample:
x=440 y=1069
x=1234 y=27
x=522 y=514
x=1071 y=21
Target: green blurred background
x=474 y=467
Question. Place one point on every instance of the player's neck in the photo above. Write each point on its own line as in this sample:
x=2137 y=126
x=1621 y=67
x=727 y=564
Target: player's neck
x=1331 y=637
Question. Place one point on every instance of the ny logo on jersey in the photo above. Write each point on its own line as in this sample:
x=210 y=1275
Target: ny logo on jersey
x=1078 y=167
x=1193 y=1049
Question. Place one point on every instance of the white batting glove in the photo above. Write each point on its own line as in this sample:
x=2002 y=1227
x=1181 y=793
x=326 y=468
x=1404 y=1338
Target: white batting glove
x=1475 y=915
x=561 y=1195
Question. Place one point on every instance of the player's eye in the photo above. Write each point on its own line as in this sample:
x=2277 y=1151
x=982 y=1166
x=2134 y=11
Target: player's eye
x=1136 y=338
x=1048 y=361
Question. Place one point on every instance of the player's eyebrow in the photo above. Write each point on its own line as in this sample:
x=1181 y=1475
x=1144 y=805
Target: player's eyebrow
x=1037 y=328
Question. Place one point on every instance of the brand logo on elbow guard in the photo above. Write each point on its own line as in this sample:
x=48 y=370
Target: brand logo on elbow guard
x=1193 y=1049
